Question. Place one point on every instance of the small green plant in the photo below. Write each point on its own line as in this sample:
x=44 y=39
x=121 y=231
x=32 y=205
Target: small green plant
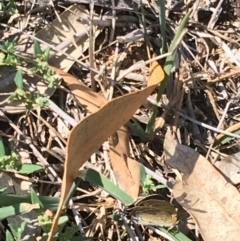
x=45 y=218
x=45 y=221
x=8 y=57
x=8 y=7
x=10 y=162
x=148 y=185
x=29 y=98
x=146 y=182
x=69 y=233
x=41 y=66
x=37 y=65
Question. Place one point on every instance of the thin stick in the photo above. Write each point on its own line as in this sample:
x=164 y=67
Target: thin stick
x=201 y=123
x=51 y=47
x=91 y=48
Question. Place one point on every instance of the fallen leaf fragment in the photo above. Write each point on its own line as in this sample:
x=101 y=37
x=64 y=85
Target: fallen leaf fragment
x=87 y=136
x=61 y=35
x=87 y=98
x=204 y=193
x=230 y=167
x=126 y=170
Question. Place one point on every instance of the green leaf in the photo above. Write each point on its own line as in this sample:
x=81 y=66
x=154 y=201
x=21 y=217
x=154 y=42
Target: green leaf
x=2 y=190
x=142 y=175
x=162 y=21
x=45 y=236
x=23 y=225
x=63 y=220
x=61 y=224
x=37 y=49
x=16 y=209
x=136 y=129
x=116 y=218
x=10 y=162
x=170 y=59
x=29 y=168
x=96 y=178
x=10 y=46
x=45 y=55
x=20 y=93
x=12 y=199
x=19 y=79
x=151 y=123
x=35 y=198
x=9 y=236
x=161 y=186
x=175 y=234
x=2 y=148
x=42 y=101
x=225 y=139
x=15 y=230
x=79 y=238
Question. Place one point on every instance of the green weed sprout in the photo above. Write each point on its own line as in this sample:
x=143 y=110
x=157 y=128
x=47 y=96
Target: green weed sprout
x=10 y=162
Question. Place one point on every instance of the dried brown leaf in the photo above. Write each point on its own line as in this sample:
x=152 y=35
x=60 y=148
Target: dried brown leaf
x=86 y=97
x=87 y=136
x=128 y=177
x=230 y=167
x=205 y=194
x=126 y=170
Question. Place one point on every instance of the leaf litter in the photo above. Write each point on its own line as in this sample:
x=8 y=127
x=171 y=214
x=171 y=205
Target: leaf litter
x=202 y=91
x=204 y=192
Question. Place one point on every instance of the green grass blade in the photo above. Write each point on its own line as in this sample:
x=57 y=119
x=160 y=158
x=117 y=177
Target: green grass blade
x=35 y=198
x=167 y=70
x=170 y=59
x=82 y=238
x=29 y=168
x=16 y=231
x=16 y=209
x=2 y=148
x=144 y=26
x=9 y=236
x=136 y=129
x=162 y=21
x=37 y=49
x=225 y=139
x=151 y=123
x=2 y=190
x=175 y=234
x=96 y=178
x=19 y=79
x=142 y=175
x=72 y=191
x=11 y=199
